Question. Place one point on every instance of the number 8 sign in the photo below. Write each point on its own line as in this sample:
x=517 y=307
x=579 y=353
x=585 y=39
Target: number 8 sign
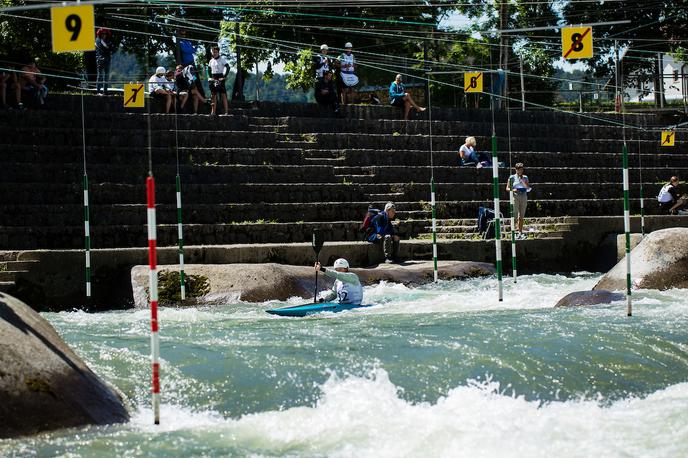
x=73 y=28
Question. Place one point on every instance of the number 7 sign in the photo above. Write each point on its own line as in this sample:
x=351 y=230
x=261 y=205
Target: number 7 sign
x=73 y=28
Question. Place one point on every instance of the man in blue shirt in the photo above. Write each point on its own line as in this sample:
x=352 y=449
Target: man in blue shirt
x=383 y=231
x=398 y=97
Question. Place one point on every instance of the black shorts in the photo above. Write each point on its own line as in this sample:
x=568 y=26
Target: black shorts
x=397 y=102
x=217 y=87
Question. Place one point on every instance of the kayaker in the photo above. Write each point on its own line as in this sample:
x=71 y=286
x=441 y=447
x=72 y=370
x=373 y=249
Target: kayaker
x=347 y=287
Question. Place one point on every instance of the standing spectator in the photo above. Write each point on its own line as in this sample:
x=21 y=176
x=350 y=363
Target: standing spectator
x=185 y=86
x=104 y=50
x=322 y=62
x=383 y=231
x=669 y=197
x=398 y=97
x=158 y=87
x=218 y=71
x=32 y=83
x=325 y=93
x=185 y=53
x=518 y=184
x=348 y=80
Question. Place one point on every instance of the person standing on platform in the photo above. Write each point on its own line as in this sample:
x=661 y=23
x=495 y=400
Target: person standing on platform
x=518 y=184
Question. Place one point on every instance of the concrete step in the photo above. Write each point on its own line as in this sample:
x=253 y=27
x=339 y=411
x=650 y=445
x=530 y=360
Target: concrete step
x=18 y=265
x=11 y=275
x=5 y=286
x=7 y=256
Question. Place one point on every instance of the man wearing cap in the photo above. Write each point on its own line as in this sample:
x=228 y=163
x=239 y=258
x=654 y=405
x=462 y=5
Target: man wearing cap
x=325 y=93
x=322 y=62
x=347 y=66
x=159 y=86
x=383 y=231
x=347 y=287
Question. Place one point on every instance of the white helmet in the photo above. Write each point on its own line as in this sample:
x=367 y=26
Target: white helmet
x=348 y=44
x=324 y=47
x=160 y=71
x=341 y=262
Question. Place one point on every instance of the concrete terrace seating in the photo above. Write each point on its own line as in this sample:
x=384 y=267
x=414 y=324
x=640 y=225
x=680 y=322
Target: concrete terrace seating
x=274 y=172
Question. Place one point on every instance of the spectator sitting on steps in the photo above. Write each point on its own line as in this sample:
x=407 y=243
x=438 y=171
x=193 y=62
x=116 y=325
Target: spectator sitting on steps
x=32 y=84
x=398 y=97
x=159 y=87
x=383 y=231
x=325 y=92
x=669 y=197
x=469 y=156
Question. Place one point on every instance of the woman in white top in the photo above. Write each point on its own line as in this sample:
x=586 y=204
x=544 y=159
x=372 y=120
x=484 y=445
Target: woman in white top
x=217 y=75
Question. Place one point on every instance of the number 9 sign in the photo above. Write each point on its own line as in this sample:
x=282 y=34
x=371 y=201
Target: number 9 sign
x=73 y=28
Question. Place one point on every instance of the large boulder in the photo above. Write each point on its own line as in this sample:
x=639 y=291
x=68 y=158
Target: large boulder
x=582 y=298
x=44 y=385
x=263 y=282
x=660 y=261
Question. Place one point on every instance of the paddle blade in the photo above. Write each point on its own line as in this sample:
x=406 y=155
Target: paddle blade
x=318 y=241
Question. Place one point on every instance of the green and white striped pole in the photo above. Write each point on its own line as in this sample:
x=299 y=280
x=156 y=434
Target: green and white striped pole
x=87 y=234
x=434 y=228
x=498 y=220
x=180 y=236
x=432 y=192
x=513 y=237
x=627 y=230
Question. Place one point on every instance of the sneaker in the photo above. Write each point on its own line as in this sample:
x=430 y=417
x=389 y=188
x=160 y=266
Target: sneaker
x=389 y=261
x=479 y=165
x=683 y=212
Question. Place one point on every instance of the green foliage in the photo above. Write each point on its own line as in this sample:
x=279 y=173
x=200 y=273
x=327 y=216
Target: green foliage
x=300 y=73
x=169 y=292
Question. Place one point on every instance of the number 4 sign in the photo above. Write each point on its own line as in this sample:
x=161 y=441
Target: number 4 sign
x=73 y=28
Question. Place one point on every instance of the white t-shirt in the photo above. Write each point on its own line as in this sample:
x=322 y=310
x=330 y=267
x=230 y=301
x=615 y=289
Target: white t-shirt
x=218 y=65
x=519 y=183
x=158 y=82
x=347 y=61
x=664 y=194
x=323 y=68
x=348 y=293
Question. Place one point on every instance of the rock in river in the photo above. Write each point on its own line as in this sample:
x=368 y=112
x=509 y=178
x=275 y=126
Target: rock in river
x=44 y=385
x=660 y=261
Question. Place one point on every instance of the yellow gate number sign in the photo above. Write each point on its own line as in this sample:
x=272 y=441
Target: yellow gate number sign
x=134 y=96
x=473 y=82
x=668 y=137
x=576 y=42
x=73 y=28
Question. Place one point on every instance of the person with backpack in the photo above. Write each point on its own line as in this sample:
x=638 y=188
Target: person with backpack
x=518 y=184
x=383 y=232
x=669 y=197
x=185 y=86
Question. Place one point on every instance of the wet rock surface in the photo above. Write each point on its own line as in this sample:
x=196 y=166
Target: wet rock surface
x=44 y=385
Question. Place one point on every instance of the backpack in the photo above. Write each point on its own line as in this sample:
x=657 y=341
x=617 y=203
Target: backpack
x=365 y=227
x=485 y=215
x=664 y=195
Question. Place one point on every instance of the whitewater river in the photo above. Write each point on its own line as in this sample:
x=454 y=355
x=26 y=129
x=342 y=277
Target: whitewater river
x=441 y=370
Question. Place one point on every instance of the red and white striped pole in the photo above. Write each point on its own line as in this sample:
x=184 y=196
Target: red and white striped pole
x=153 y=287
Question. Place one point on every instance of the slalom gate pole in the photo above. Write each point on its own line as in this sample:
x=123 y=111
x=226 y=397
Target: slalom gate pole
x=627 y=230
x=153 y=275
x=498 y=220
x=153 y=292
x=514 y=272
x=180 y=231
x=432 y=193
x=626 y=187
x=180 y=236
x=640 y=178
x=87 y=224
x=513 y=237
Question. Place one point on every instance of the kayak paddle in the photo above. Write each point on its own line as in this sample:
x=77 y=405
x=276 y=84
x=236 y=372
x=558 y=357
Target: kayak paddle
x=317 y=243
